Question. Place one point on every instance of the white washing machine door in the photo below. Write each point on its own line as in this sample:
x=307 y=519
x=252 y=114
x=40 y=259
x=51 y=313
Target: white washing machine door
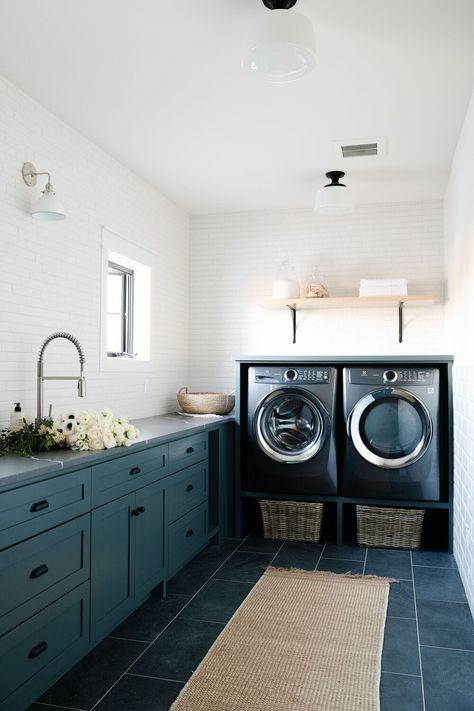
x=390 y=428
x=291 y=425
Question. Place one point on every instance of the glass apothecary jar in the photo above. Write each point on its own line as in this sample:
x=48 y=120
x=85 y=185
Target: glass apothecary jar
x=315 y=286
x=286 y=284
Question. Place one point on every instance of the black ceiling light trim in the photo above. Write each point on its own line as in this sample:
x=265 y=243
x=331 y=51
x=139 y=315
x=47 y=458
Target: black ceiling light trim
x=279 y=4
x=335 y=176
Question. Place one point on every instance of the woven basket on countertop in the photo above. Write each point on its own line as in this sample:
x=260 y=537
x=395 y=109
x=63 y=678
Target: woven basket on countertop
x=291 y=520
x=379 y=527
x=205 y=403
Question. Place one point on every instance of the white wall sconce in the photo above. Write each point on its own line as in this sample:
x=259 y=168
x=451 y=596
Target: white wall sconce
x=47 y=207
x=280 y=47
x=335 y=198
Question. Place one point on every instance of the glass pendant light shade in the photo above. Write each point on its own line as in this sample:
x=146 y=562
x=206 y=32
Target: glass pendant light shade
x=47 y=207
x=335 y=198
x=280 y=47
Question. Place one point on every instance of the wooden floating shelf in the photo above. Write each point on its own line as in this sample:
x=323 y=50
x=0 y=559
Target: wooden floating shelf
x=346 y=302
x=349 y=302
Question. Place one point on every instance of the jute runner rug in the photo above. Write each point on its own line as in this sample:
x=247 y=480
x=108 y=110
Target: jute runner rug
x=301 y=641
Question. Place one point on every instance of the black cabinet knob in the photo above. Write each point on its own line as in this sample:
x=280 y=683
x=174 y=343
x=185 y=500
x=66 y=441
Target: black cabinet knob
x=190 y=487
x=134 y=470
x=39 y=649
x=39 y=571
x=190 y=450
x=139 y=510
x=189 y=533
x=39 y=506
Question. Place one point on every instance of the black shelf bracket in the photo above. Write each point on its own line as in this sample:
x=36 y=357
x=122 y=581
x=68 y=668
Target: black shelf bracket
x=293 y=319
x=401 y=304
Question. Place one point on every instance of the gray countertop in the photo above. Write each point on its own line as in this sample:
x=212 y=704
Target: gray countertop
x=15 y=470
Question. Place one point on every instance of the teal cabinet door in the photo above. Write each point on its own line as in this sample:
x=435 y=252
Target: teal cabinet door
x=148 y=539
x=111 y=565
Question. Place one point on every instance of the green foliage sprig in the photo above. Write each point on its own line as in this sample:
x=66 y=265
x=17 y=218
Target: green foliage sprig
x=28 y=440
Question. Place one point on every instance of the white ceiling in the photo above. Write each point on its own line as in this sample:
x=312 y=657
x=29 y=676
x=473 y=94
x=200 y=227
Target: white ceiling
x=158 y=84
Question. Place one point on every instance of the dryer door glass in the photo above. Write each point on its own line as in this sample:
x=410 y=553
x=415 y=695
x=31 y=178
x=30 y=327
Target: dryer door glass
x=290 y=426
x=391 y=428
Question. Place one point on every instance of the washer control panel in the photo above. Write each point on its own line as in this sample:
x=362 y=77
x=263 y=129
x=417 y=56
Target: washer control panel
x=385 y=375
x=289 y=374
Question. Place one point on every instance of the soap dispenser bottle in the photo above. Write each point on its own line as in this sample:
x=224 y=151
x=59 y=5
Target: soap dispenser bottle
x=16 y=418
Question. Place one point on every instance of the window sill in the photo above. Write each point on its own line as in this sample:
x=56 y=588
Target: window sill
x=125 y=365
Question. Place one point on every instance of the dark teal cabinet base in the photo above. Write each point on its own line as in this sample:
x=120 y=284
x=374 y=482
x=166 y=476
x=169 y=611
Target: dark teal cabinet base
x=38 y=652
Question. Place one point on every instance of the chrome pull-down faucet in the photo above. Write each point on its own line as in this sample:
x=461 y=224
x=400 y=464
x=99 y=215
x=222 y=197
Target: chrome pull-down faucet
x=81 y=381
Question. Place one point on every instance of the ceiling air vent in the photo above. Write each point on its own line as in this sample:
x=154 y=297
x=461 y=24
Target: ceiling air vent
x=359 y=150
x=361 y=147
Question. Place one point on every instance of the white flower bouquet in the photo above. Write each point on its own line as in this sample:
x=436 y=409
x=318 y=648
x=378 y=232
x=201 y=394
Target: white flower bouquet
x=89 y=430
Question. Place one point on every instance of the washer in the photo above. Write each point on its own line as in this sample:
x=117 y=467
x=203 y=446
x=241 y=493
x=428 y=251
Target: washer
x=391 y=417
x=290 y=429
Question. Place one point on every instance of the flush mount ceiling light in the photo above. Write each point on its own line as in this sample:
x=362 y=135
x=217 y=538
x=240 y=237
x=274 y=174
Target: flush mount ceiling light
x=280 y=47
x=47 y=206
x=335 y=198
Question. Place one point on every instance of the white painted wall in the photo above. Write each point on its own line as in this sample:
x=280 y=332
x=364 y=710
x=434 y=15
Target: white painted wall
x=459 y=227
x=50 y=272
x=234 y=258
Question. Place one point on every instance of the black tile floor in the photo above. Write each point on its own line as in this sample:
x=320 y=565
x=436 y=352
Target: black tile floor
x=428 y=654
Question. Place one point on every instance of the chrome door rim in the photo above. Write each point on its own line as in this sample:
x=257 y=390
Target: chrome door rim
x=353 y=428
x=317 y=409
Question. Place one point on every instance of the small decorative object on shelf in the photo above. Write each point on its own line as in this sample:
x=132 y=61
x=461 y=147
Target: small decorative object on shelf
x=291 y=520
x=286 y=285
x=384 y=527
x=315 y=286
x=383 y=287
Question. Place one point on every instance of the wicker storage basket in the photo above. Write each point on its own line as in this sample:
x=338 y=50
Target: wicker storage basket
x=291 y=520
x=389 y=528
x=205 y=403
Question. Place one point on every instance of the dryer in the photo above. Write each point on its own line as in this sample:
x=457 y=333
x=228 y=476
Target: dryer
x=392 y=441
x=290 y=429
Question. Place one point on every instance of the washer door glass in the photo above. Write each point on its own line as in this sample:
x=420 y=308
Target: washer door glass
x=290 y=425
x=390 y=428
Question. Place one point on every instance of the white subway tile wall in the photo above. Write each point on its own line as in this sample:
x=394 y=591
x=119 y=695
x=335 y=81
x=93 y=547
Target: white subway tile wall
x=50 y=272
x=234 y=259
x=459 y=231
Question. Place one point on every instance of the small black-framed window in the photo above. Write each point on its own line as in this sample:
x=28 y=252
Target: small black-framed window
x=120 y=286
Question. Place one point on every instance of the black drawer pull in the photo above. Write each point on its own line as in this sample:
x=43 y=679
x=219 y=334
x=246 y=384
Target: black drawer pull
x=39 y=649
x=189 y=533
x=39 y=571
x=138 y=511
x=190 y=487
x=134 y=470
x=190 y=450
x=39 y=506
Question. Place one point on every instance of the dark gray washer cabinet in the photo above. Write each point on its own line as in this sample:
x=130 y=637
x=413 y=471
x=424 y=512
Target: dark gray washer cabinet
x=79 y=551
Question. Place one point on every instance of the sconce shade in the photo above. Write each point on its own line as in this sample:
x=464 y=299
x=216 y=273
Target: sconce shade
x=280 y=47
x=335 y=198
x=47 y=207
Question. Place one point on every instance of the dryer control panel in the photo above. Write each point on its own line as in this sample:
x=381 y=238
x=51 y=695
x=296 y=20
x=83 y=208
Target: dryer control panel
x=388 y=376
x=289 y=374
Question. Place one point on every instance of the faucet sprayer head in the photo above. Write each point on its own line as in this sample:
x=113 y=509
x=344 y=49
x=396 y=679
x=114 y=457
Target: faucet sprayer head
x=81 y=386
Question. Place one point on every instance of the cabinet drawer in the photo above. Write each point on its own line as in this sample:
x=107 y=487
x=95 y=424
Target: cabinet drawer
x=36 y=572
x=125 y=474
x=43 y=641
x=187 y=451
x=186 y=537
x=186 y=490
x=34 y=508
